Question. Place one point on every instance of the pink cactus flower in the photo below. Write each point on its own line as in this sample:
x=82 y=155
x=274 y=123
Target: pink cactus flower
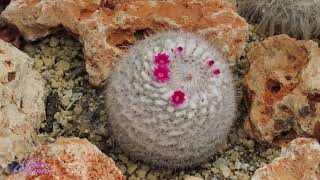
x=178 y=50
x=162 y=59
x=161 y=73
x=210 y=62
x=216 y=72
x=178 y=98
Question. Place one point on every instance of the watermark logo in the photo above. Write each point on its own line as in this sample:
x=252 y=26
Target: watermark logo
x=29 y=166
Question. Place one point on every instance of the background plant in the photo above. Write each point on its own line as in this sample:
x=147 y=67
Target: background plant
x=296 y=18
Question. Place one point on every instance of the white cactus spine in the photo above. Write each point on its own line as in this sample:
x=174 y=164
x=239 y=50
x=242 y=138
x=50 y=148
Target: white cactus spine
x=175 y=121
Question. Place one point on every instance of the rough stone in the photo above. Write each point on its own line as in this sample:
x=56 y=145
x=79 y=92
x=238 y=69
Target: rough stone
x=299 y=161
x=151 y=177
x=22 y=106
x=106 y=32
x=73 y=158
x=225 y=170
x=54 y=42
x=141 y=173
x=77 y=109
x=283 y=90
x=132 y=167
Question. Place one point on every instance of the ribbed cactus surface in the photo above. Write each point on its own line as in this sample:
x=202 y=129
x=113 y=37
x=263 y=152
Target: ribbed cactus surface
x=171 y=100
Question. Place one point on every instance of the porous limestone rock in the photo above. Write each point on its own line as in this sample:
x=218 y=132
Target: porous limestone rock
x=299 y=161
x=107 y=29
x=22 y=106
x=283 y=89
x=71 y=158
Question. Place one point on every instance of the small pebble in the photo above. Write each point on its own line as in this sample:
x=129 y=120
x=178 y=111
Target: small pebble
x=123 y=158
x=131 y=167
x=141 y=173
x=59 y=73
x=69 y=42
x=122 y=168
x=237 y=165
x=205 y=174
x=49 y=62
x=53 y=41
x=250 y=144
x=77 y=109
x=29 y=49
x=215 y=170
x=38 y=64
x=68 y=93
x=65 y=101
x=151 y=177
x=63 y=65
x=226 y=172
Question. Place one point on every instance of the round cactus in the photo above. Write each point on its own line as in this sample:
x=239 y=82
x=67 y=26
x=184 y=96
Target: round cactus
x=296 y=18
x=171 y=100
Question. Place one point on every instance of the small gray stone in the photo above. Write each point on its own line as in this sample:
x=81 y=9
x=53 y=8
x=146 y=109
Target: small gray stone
x=122 y=168
x=123 y=158
x=220 y=162
x=29 y=49
x=131 y=167
x=49 y=62
x=142 y=172
x=233 y=178
x=250 y=144
x=65 y=101
x=77 y=109
x=76 y=96
x=237 y=165
x=151 y=177
x=63 y=65
x=68 y=93
x=215 y=170
x=205 y=174
x=226 y=172
x=69 y=42
x=53 y=41
x=38 y=64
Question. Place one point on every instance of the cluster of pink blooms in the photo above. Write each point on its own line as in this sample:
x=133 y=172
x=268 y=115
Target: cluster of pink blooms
x=162 y=73
x=214 y=71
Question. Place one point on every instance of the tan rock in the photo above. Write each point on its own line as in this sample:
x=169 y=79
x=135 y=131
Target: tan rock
x=299 y=161
x=22 y=106
x=71 y=158
x=107 y=32
x=283 y=88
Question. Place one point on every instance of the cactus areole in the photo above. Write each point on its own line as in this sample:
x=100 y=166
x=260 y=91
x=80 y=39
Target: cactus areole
x=171 y=100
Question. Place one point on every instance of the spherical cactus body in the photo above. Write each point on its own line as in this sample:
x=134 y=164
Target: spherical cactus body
x=171 y=100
